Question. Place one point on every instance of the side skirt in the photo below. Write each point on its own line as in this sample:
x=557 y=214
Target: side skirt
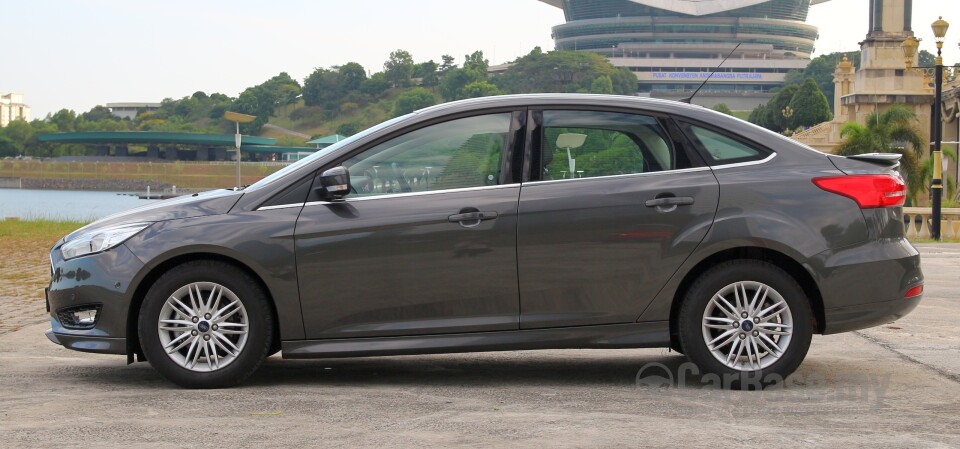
x=654 y=334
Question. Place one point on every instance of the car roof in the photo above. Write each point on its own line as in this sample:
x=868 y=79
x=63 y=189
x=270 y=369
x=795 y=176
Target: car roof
x=657 y=104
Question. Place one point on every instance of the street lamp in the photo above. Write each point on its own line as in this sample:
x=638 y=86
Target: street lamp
x=238 y=118
x=909 y=47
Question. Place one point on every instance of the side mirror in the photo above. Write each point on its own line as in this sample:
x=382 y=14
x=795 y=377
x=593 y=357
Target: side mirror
x=334 y=184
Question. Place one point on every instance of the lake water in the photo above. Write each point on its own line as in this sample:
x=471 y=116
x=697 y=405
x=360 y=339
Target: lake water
x=73 y=205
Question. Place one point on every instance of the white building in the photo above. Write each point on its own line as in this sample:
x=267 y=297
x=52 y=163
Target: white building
x=13 y=108
x=130 y=110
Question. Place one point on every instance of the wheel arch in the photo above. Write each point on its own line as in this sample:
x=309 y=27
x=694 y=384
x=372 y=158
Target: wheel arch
x=793 y=268
x=154 y=273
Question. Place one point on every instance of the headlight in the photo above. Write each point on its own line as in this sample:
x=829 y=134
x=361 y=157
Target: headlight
x=100 y=240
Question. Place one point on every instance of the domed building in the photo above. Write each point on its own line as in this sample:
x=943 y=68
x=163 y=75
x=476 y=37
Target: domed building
x=673 y=45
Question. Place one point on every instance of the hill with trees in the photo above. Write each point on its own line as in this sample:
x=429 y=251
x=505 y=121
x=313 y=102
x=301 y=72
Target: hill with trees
x=341 y=99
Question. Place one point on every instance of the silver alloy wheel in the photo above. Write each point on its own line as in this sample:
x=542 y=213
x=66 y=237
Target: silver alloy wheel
x=203 y=326
x=747 y=325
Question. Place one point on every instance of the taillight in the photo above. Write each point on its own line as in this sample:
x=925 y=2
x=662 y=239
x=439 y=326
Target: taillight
x=867 y=190
x=915 y=291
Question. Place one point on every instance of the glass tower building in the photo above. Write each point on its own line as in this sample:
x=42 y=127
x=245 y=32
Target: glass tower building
x=673 y=45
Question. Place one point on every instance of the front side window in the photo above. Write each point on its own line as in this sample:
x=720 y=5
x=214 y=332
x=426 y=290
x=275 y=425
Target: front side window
x=587 y=144
x=458 y=154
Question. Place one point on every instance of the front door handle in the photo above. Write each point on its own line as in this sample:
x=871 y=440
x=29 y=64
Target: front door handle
x=471 y=219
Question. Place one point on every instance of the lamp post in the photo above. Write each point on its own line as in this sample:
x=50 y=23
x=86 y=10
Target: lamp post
x=909 y=47
x=238 y=118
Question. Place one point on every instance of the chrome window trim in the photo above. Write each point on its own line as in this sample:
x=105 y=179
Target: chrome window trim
x=745 y=164
x=280 y=206
x=626 y=175
x=408 y=194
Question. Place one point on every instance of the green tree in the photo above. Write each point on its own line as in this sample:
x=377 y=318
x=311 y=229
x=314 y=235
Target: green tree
x=890 y=131
x=447 y=65
x=64 y=120
x=601 y=85
x=454 y=83
x=758 y=115
x=376 y=85
x=427 y=72
x=774 y=118
x=412 y=100
x=350 y=76
x=399 y=68
x=98 y=113
x=809 y=106
x=722 y=107
x=348 y=129
x=481 y=89
x=563 y=71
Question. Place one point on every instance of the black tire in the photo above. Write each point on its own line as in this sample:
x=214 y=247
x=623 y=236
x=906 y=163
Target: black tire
x=694 y=335
x=254 y=310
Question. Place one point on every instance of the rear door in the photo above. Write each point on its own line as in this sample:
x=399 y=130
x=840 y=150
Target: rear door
x=615 y=202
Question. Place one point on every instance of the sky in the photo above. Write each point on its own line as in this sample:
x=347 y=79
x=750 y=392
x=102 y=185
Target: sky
x=76 y=54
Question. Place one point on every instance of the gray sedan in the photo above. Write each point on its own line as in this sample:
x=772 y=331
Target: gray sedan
x=504 y=223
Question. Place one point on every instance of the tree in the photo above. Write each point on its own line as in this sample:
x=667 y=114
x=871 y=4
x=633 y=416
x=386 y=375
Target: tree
x=448 y=64
x=564 y=71
x=98 y=113
x=722 y=107
x=399 y=68
x=809 y=106
x=476 y=61
x=774 y=118
x=601 y=85
x=453 y=86
x=350 y=76
x=478 y=89
x=427 y=72
x=886 y=132
x=758 y=115
x=375 y=85
x=319 y=87
x=64 y=120
x=348 y=129
x=412 y=100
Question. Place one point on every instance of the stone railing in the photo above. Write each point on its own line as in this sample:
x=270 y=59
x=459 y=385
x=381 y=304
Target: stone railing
x=919 y=219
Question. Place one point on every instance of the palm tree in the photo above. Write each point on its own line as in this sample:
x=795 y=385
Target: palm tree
x=887 y=132
x=926 y=175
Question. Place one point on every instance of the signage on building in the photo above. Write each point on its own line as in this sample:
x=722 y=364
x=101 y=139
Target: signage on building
x=700 y=76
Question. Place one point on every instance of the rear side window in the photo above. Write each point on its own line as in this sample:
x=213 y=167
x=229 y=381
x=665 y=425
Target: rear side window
x=722 y=149
x=587 y=144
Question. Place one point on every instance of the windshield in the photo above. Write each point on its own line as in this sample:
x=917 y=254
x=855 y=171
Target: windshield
x=323 y=152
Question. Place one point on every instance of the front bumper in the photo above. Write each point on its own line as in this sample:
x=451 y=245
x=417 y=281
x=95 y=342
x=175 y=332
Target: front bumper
x=103 y=279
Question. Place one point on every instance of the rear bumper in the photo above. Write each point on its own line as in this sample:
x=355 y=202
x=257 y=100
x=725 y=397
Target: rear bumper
x=851 y=318
x=865 y=285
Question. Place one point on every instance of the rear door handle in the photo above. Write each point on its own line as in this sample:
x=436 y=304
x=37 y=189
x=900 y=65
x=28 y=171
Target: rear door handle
x=470 y=219
x=670 y=201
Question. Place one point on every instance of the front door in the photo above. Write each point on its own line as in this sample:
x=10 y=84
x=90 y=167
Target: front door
x=613 y=208
x=425 y=243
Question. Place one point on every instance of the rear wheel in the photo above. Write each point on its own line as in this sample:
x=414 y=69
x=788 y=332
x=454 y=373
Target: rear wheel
x=205 y=324
x=747 y=321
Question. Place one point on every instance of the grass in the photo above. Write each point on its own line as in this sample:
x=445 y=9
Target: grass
x=29 y=231
x=24 y=260
x=188 y=175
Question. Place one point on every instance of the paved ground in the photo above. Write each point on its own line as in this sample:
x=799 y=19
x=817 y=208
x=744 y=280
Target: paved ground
x=893 y=386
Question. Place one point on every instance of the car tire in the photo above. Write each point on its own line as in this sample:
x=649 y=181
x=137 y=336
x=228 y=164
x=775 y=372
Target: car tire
x=746 y=322
x=205 y=324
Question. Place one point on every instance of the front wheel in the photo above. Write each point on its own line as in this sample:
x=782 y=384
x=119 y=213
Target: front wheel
x=205 y=324
x=746 y=320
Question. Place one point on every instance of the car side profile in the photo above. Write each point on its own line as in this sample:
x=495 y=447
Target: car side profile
x=503 y=223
